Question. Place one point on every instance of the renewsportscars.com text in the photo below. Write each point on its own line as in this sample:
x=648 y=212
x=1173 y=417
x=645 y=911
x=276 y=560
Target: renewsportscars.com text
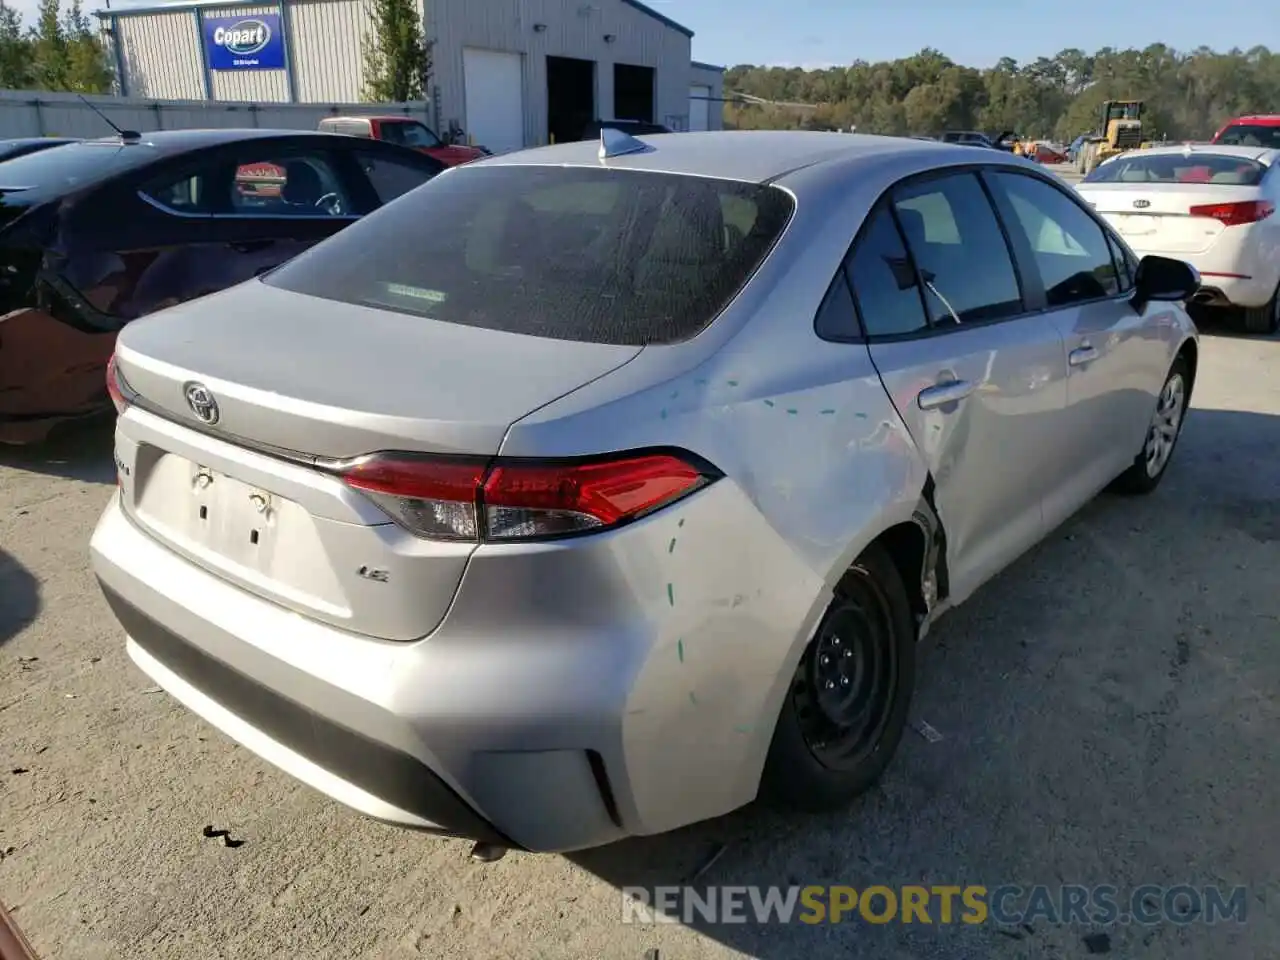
x=938 y=904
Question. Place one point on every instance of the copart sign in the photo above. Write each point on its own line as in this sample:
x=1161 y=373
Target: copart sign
x=244 y=43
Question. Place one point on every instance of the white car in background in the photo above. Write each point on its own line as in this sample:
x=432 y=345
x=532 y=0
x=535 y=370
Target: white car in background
x=1214 y=207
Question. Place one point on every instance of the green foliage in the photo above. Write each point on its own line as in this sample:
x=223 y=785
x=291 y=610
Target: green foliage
x=61 y=52
x=1188 y=95
x=397 y=57
x=14 y=56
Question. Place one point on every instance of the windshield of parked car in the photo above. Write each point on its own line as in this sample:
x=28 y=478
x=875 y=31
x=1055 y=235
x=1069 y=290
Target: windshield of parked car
x=1250 y=135
x=605 y=256
x=1180 y=168
x=46 y=174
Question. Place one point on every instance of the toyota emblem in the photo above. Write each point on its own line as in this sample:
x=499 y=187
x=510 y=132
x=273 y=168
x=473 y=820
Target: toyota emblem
x=201 y=402
x=1142 y=204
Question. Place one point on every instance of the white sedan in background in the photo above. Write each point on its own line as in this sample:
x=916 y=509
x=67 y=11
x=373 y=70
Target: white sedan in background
x=1214 y=207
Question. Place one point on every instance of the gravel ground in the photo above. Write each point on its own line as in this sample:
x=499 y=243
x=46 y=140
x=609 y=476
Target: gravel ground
x=1107 y=710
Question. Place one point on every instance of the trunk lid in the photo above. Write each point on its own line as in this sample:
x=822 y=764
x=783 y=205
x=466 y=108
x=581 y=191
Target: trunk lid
x=339 y=380
x=1157 y=218
x=324 y=380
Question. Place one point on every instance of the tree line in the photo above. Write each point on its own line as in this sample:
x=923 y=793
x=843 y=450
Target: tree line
x=61 y=51
x=1187 y=95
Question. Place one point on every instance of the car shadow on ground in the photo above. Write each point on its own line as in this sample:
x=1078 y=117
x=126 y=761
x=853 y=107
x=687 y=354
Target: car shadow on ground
x=1227 y=323
x=82 y=452
x=1103 y=709
x=19 y=598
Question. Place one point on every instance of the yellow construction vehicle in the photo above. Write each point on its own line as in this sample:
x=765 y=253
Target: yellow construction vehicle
x=1119 y=130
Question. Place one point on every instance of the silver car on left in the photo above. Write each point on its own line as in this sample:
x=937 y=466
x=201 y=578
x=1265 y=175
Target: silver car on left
x=595 y=490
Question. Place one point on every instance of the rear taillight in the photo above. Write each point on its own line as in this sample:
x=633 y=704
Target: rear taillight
x=505 y=500
x=1235 y=214
x=116 y=386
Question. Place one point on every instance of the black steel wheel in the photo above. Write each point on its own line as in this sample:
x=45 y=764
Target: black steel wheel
x=847 y=704
x=843 y=689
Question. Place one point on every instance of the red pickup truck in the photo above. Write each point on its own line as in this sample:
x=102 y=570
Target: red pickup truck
x=405 y=132
x=1258 y=130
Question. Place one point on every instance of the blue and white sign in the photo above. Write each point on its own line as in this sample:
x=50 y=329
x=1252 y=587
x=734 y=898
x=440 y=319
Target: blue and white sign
x=244 y=43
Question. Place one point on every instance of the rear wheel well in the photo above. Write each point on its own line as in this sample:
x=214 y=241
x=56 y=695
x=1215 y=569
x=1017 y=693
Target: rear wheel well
x=906 y=545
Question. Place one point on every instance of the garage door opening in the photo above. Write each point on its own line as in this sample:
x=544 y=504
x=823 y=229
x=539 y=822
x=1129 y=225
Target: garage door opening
x=494 y=91
x=571 y=97
x=632 y=92
x=699 y=107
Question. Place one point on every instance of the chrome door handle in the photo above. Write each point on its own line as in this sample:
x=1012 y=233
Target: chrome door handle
x=930 y=398
x=1082 y=355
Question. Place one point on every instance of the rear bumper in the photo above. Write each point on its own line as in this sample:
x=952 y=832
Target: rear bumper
x=381 y=781
x=1222 y=291
x=573 y=695
x=1237 y=270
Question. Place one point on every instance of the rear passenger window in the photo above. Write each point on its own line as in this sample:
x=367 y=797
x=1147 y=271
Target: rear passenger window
x=1070 y=248
x=955 y=239
x=884 y=281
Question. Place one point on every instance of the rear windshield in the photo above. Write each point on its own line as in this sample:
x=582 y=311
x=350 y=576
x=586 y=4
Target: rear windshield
x=604 y=256
x=1178 y=168
x=49 y=173
x=1250 y=135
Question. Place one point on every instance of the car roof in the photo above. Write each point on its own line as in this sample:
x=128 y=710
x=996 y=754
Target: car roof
x=1264 y=155
x=1261 y=119
x=24 y=141
x=373 y=116
x=177 y=141
x=755 y=156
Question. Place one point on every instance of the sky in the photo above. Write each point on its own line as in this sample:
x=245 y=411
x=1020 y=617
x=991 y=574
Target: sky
x=976 y=33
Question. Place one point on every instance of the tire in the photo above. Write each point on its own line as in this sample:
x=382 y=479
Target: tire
x=1264 y=319
x=870 y=624
x=1148 y=467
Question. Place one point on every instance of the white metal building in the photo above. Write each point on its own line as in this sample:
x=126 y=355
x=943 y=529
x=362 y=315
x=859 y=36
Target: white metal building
x=511 y=73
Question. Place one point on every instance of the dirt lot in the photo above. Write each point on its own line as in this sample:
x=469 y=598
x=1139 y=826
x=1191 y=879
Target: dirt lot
x=1108 y=711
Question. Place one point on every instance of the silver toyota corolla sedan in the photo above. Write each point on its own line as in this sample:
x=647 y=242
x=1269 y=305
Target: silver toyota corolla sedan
x=598 y=489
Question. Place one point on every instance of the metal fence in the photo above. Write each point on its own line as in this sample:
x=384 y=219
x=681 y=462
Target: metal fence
x=38 y=113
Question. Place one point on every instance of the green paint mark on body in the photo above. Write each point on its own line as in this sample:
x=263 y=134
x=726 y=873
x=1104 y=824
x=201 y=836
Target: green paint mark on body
x=681 y=523
x=671 y=594
x=680 y=650
x=827 y=413
x=733 y=383
x=792 y=410
x=768 y=403
x=674 y=394
x=664 y=414
x=862 y=416
x=671 y=547
x=692 y=698
x=742 y=728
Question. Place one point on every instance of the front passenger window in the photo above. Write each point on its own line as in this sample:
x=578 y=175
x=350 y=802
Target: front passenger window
x=1070 y=248
x=884 y=281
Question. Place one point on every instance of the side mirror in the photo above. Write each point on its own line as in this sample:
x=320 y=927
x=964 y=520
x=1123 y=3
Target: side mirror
x=1164 y=279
